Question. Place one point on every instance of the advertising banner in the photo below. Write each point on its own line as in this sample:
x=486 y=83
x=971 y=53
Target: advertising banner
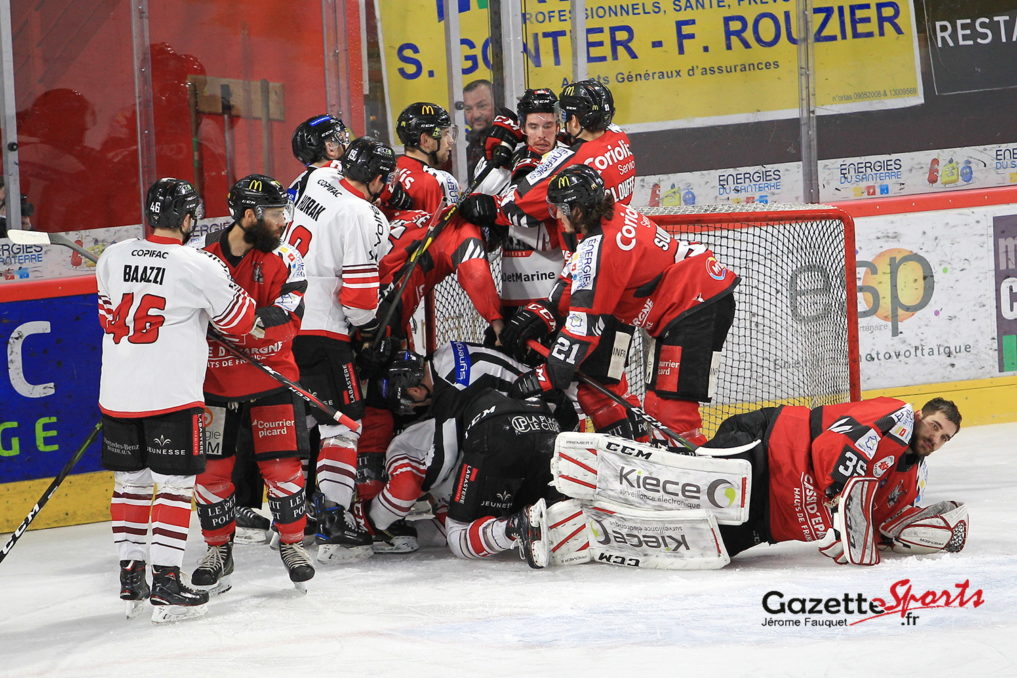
x=50 y=388
x=674 y=63
x=930 y=308
x=972 y=45
x=840 y=179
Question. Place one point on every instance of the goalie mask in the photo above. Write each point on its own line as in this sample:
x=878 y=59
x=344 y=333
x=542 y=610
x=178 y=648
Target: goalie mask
x=310 y=137
x=940 y=527
x=169 y=201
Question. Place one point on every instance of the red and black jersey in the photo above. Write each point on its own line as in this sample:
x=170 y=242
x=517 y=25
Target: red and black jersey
x=459 y=248
x=431 y=189
x=632 y=269
x=276 y=282
x=813 y=453
x=610 y=154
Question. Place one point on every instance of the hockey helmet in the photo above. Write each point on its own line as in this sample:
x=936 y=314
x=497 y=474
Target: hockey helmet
x=422 y=118
x=256 y=192
x=310 y=136
x=406 y=370
x=169 y=200
x=537 y=101
x=576 y=186
x=591 y=102
x=367 y=158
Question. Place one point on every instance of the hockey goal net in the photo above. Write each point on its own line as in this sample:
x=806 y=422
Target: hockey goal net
x=794 y=339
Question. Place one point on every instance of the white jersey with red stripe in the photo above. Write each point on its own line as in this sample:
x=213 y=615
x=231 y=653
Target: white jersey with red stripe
x=342 y=238
x=156 y=299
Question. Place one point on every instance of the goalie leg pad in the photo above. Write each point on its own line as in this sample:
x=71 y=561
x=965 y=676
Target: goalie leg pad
x=661 y=539
x=596 y=468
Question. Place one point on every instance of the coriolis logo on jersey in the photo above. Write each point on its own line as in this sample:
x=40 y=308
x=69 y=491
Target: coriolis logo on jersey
x=616 y=154
x=626 y=238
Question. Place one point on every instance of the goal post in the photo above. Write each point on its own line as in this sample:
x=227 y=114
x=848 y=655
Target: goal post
x=794 y=340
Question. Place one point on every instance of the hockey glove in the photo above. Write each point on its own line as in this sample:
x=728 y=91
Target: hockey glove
x=851 y=539
x=535 y=321
x=394 y=197
x=501 y=141
x=258 y=331
x=525 y=165
x=372 y=360
x=365 y=333
x=479 y=209
x=532 y=383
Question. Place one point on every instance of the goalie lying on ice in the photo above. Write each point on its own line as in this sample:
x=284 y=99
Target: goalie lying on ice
x=848 y=476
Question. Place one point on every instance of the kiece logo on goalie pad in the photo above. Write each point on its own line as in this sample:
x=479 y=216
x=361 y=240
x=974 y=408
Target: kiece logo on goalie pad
x=664 y=538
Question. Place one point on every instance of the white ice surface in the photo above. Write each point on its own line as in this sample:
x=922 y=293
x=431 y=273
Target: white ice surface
x=428 y=614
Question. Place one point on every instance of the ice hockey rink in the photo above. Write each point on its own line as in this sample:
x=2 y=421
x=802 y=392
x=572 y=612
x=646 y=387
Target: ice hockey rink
x=428 y=614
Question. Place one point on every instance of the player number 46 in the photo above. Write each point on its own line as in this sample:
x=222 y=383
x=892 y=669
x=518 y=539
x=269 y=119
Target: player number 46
x=144 y=328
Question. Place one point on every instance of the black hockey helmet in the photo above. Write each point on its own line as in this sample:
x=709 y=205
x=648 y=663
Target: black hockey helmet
x=422 y=118
x=310 y=136
x=576 y=186
x=367 y=158
x=406 y=370
x=169 y=200
x=255 y=192
x=591 y=102
x=537 y=101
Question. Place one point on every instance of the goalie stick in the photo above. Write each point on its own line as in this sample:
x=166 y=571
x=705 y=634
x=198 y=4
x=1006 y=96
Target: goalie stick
x=49 y=492
x=20 y=237
x=648 y=418
x=391 y=300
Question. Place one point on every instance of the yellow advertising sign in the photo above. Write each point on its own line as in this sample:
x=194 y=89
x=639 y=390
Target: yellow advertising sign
x=676 y=63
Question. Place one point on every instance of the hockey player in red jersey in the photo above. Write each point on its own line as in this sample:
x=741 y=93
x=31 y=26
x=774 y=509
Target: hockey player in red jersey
x=342 y=237
x=428 y=135
x=628 y=268
x=586 y=110
x=243 y=402
x=460 y=248
x=809 y=458
x=156 y=298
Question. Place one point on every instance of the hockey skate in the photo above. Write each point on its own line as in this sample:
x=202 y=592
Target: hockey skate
x=341 y=536
x=399 y=537
x=213 y=572
x=527 y=528
x=252 y=527
x=298 y=564
x=133 y=587
x=173 y=600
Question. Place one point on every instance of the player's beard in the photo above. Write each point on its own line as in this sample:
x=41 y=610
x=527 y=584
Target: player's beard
x=261 y=237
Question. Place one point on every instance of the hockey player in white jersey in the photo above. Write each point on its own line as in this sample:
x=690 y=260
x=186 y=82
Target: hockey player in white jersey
x=342 y=237
x=156 y=299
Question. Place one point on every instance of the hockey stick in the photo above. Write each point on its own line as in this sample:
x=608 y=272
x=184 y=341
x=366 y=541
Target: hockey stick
x=48 y=493
x=42 y=238
x=391 y=300
x=648 y=418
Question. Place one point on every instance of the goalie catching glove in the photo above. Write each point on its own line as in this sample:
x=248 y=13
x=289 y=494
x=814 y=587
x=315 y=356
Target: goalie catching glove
x=940 y=527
